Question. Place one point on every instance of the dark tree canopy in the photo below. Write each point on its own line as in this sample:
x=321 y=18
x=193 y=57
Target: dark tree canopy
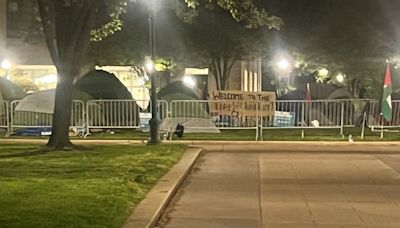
x=351 y=37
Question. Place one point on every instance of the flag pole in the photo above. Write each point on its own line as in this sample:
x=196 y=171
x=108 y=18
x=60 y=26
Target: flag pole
x=363 y=126
x=382 y=126
x=386 y=97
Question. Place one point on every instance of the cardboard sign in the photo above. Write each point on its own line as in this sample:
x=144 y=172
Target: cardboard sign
x=242 y=104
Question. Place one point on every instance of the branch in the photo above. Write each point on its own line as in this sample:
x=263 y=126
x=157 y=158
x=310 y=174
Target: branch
x=47 y=14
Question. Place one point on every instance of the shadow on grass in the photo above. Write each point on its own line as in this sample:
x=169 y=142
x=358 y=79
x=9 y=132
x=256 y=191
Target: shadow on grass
x=43 y=150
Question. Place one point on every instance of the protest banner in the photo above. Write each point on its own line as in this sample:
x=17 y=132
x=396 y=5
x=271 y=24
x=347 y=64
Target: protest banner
x=242 y=104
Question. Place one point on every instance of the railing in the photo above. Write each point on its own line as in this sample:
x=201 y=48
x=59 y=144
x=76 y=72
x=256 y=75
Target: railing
x=354 y=111
x=306 y=114
x=30 y=119
x=199 y=115
x=4 y=115
x=120 y=114
x=375 y=119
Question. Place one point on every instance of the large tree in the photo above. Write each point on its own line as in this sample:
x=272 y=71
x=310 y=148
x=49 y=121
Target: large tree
x=69 y=25
x=217 y=41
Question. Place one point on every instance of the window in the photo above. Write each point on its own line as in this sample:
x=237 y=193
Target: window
x=20 y=17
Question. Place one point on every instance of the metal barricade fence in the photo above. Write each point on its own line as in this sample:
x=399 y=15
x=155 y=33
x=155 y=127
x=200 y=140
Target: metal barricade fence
x=121 y=114
x=4 y=115
x=200 y=115
x=354 y=111
x=375 y=119
x=205 y=114
x=31 y=119
x=306 y=114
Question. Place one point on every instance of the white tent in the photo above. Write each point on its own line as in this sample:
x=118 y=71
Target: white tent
x=191 y=124
x=41 y=101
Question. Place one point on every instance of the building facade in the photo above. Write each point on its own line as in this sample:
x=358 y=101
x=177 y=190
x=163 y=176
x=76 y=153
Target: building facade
x=20 y=34
x=246 y=75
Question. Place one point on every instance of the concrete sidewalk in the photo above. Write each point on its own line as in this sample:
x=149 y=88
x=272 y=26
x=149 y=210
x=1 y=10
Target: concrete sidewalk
x=288 y=190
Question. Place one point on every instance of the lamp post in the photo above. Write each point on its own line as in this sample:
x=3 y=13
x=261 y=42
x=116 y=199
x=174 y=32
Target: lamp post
x=155 y=121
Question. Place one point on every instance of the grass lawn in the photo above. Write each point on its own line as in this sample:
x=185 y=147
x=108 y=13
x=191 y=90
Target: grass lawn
x=94 y=188
x=250 y=135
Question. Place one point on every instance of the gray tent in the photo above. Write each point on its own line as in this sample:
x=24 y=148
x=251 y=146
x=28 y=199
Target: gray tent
x=9 y=91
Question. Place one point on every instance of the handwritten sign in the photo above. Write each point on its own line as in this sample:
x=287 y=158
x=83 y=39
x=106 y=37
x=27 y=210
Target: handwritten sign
x=284 y=119
x=242 y=104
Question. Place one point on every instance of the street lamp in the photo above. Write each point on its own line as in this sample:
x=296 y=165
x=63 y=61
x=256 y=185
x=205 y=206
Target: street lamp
x=155 y=121
x=282 y=66
x=6 y=65
x=149 y=65
x=340 y=78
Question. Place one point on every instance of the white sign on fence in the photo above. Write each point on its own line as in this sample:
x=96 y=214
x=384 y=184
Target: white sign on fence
x=145 y=117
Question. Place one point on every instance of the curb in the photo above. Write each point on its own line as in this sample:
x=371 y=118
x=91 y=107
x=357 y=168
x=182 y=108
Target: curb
x=251 y=146
x=149 y=210
x=338 y=148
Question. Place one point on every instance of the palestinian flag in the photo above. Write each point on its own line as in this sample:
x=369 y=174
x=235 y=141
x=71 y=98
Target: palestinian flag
x=386 y=101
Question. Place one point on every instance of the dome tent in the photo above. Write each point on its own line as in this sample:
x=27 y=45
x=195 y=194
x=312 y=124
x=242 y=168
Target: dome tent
x=9 y=91
x=43 y=101
x=103 y=85
x=41 y=105
x=176 y=91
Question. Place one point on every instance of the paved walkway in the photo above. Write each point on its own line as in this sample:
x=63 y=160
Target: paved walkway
x=288 y=190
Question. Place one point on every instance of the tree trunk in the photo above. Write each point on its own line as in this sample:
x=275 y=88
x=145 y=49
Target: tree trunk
x=59 y=138
x=221 y=69
x=223 y=85
x=67 y=26
x=215 y=71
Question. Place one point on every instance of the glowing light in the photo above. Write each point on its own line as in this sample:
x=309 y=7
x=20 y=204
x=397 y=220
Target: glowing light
x=48 y=79
x=283 y=64
x=340 y=78
x=189 y=82
x=323 y=72
x=6 y=64
x=149 y=65
x=141 y=82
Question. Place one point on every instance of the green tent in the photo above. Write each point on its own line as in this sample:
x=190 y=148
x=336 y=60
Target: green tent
x=9 y=91
x=176 y=88
x=103 y=85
